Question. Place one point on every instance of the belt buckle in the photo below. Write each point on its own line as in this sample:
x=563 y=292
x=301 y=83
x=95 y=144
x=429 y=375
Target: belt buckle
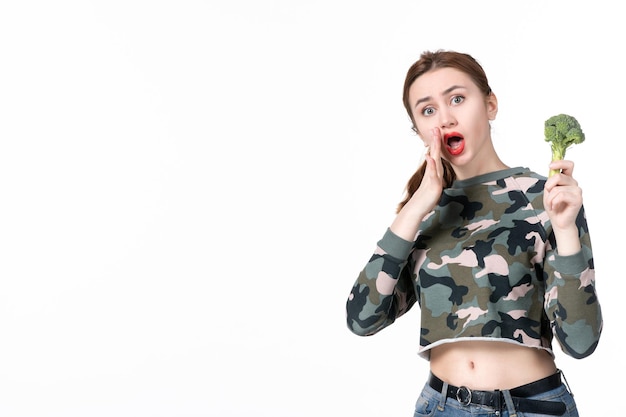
x=464 y=395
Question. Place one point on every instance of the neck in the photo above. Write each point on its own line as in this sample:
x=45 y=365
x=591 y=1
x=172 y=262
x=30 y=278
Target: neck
x=465 y=172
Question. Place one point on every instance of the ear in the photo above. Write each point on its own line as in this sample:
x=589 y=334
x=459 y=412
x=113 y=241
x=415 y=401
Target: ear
x=492 y=106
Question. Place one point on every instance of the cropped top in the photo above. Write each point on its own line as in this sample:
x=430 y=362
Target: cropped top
x=484 y=266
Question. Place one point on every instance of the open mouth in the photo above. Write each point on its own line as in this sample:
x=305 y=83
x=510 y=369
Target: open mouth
x=455 y=143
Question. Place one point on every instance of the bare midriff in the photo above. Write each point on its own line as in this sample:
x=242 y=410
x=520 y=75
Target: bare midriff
x=486 y=365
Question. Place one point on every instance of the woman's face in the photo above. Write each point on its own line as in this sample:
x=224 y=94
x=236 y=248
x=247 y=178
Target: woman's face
x=447 y=99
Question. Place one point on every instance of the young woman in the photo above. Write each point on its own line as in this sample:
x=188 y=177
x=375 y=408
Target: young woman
x=498 y=259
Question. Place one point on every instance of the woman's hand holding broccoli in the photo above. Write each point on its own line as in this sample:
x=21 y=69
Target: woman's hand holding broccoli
x=562 y=196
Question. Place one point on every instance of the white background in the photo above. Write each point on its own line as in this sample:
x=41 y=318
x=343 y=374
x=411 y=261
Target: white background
x=189 y=189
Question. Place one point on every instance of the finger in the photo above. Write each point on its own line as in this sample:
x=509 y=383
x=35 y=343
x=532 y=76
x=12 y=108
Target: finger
x=560 y=180
x=562 y=197
x=565 y=166
x=435 y=150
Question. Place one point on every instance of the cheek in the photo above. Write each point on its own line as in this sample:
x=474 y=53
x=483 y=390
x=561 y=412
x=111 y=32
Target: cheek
x=421 y=125
x=424 y=130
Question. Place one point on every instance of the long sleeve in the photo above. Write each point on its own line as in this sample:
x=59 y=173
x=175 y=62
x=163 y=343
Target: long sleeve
x=570 y=300
x=384 y=290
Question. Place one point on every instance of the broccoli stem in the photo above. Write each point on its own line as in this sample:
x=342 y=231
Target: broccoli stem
x=558 y=153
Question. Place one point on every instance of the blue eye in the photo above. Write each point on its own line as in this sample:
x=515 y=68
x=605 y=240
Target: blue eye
x=428 y=111
x=457 y=99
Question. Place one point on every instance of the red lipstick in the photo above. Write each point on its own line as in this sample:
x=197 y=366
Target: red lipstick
x=454 y=142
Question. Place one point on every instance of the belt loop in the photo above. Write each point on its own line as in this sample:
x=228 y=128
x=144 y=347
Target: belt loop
x=444 y=396
x=509 y=403
x=498 y=403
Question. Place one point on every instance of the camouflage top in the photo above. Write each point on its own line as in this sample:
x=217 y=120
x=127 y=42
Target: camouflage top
x=484 y=266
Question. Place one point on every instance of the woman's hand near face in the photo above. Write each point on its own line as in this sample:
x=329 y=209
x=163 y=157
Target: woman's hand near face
x=426 y=196
x=563 y=200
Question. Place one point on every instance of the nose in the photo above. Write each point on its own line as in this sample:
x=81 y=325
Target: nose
x=446 y=118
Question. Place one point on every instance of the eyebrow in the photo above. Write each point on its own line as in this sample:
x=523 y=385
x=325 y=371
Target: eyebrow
x=446 y=91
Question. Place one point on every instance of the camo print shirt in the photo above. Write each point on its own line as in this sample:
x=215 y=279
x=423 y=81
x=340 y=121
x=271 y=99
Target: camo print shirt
x=484 y=266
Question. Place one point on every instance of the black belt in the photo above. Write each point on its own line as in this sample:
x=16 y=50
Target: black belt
x=495 y=399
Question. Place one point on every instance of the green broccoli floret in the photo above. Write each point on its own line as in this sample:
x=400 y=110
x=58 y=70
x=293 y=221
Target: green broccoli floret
x=562 y=131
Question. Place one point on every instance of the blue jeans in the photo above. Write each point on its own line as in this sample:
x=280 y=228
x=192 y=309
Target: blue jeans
x=431 y=404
